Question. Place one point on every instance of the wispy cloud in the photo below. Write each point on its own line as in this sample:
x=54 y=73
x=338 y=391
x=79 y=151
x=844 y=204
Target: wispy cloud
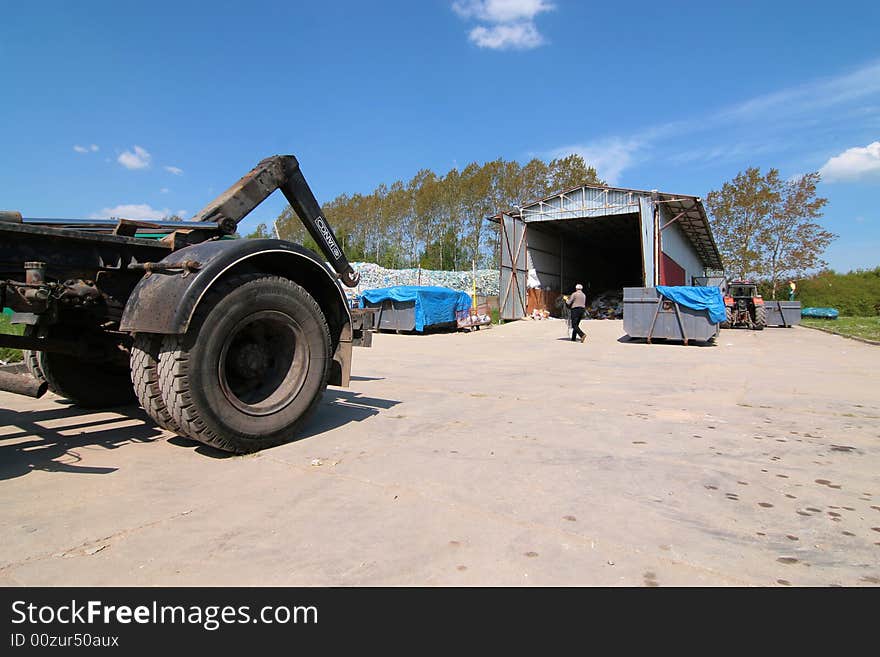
x=175 y=170
x=757 y=126
x=505 y=24
x=137 y=158
x=164 y=190
x=609 y=156
x=136 y=211
x=818 y=94
x=856 y=163
x=86 y=149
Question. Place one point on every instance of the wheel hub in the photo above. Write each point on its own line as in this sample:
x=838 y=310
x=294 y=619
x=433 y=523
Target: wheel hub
x=264 y=362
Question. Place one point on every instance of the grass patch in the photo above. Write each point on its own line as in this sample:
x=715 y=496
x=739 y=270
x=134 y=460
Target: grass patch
x=859 y=327
x=6 y=354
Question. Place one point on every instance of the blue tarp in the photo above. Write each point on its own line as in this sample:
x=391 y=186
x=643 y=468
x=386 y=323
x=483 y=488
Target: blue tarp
x=824 y=313
x=433 y=305
x=697 y=298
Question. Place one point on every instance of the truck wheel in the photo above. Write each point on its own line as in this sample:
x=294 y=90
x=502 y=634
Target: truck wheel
x=32 y=360
x=86 y=384
x=760 y=317
x=145 y=378
x=252 y=366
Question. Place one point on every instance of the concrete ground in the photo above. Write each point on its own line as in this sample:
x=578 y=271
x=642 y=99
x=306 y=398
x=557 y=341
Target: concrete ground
x=502 y=457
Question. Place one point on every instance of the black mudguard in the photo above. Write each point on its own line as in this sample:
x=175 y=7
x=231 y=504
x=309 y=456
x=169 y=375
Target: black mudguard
x=165 y=299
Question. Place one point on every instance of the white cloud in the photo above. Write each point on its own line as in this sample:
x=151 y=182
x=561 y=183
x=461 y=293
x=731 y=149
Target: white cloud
x=138 y=158
x=164 y=190
x=815 y=95
x=517 y=36
x=853 y=164
x=507 y=24
x=137 y=211
x=760 y=125
x=175 y=170
x=80 y=149
x=94 y=148
x=609 y=156
x=500 y=11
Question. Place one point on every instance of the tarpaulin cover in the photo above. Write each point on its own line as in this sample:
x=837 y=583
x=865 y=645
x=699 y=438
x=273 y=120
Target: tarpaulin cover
x=433 y=305
x=824 y=313
x=697 y=298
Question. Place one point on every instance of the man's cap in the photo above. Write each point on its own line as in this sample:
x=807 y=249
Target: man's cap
x=578 y=287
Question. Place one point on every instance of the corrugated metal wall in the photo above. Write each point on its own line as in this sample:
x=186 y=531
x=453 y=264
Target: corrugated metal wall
x=674 y=244
x=584 y=202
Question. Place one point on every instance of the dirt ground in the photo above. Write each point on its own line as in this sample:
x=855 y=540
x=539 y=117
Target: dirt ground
x=508 y=456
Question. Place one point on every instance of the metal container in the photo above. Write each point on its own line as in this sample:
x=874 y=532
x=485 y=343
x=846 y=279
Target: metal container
x=783 y=313
x=394 y=315
x=647 y=315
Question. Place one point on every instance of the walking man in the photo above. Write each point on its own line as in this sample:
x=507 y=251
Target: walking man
x=578 y=304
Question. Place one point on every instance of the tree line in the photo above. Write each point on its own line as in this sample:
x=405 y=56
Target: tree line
x=854 y=294
x=766 y=227
x=437 y=221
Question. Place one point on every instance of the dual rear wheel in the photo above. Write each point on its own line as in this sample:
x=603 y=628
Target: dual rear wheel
x=247 y=374
x=249 y=371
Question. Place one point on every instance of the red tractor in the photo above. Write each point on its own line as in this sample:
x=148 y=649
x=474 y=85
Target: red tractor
x=745 y=307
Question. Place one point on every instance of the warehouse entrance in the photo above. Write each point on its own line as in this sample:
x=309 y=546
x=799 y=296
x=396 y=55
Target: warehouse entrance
x=602 y=253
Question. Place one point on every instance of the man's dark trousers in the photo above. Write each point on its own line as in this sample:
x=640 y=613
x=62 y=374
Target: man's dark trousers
x=577 y=314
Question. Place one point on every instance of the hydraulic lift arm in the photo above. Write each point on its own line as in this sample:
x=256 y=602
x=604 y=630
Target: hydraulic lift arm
x=280 y=172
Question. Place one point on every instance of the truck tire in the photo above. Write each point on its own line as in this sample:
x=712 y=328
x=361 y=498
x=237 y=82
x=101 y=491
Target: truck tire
x=760 y=317
x=32 y=360
x=251 y=368
x=145 y=379
x=86 y=384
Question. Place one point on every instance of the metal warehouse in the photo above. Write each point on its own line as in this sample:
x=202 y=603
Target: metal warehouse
x=606 y=238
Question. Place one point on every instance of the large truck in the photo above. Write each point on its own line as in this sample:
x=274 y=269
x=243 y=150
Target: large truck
x=230 y=342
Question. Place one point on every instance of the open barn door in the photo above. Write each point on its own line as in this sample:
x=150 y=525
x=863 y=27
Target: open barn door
x=512 y=292
x=649 y=241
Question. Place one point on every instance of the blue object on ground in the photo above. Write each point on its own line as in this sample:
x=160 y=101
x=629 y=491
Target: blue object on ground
x=698 y=298
x=823 y=313
x=433 y=305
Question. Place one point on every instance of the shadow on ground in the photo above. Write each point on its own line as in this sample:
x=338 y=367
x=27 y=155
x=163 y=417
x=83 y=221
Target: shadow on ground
x=625 y=339
x=53 y=448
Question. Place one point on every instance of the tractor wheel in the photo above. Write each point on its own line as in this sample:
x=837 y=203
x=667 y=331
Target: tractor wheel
x=729 y=321
x=145 y=378
x=87 y=384
x=760 y=317
x=252 y=366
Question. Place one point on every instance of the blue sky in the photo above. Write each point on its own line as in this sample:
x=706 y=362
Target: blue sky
x=141 y=109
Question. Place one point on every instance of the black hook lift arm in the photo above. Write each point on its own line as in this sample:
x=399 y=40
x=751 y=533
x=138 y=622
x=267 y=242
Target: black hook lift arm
x=280 y=172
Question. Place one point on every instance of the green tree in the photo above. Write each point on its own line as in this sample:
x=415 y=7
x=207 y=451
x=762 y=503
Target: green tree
x=572 y=171
x=793 y=241
x=438 y=218
x=764 y=226
x=261 y=232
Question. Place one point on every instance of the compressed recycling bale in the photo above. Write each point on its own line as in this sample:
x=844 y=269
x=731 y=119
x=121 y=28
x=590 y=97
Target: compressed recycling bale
x=373 y=277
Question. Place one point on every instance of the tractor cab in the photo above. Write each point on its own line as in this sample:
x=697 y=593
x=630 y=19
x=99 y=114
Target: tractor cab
x=745 y=306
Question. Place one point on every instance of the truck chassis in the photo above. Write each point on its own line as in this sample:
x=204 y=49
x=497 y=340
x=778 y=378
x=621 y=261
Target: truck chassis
x=229 y=342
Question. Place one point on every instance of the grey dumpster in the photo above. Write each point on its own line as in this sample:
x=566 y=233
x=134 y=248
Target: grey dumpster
x=783 y=313
x=394 y=315
x=647 y=315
